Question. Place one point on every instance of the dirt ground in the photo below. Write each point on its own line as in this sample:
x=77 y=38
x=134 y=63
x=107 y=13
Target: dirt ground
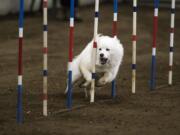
x=144 y=113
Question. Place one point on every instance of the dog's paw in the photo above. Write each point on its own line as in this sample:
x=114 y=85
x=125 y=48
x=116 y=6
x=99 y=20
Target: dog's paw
x=102 y=81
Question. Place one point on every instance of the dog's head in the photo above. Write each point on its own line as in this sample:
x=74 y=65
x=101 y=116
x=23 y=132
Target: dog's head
x=103 y=54
x=107 y=50
x=104 y=50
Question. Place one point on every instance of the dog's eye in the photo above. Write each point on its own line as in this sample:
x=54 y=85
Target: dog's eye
x=100 y=49
x=107 y=49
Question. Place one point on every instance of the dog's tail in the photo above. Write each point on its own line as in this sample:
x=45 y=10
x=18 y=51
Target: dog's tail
x=65 y=92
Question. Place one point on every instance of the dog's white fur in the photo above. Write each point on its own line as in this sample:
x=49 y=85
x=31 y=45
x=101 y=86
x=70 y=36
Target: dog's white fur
x=112 y=51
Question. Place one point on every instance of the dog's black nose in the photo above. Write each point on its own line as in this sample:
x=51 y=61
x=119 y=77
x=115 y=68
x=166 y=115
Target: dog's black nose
x=101 y=55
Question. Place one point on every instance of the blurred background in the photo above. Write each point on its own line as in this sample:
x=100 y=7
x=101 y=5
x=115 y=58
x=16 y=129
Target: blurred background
x=7 y=6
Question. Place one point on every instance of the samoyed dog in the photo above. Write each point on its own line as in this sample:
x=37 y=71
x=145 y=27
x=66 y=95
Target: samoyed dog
x=109 y=56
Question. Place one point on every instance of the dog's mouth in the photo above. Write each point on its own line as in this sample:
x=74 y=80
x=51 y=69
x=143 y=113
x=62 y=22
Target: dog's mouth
x=103 y=60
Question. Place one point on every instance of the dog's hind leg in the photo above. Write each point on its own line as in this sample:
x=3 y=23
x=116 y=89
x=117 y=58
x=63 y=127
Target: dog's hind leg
x=85 y=92
x=87 y=76
x=84 y=84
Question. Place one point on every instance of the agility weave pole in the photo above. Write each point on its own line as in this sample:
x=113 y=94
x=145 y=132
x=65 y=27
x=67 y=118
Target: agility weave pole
x=45 y=56
x=96 y=19
x=155 y=28
x=171 y=47
x=20 y=66
x=71 y=46
x=134 y=42
x=114 y=33
x=115 y=17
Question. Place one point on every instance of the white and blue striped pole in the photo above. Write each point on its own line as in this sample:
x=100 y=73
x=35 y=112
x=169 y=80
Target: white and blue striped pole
x=96 y=18
x=155 y=28
x=115 y=16
x=20 y=65
x=171 y=47
x=45 y=56
x=71 y=45
x=134 y=41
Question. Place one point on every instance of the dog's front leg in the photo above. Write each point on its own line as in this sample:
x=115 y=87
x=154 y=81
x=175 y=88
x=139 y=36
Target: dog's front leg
x=109 y=76
x=106 y=78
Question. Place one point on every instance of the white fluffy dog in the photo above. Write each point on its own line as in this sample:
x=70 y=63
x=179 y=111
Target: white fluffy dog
x=109 y=57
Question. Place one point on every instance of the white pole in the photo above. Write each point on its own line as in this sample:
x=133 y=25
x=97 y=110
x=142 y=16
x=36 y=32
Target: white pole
x=92 y=91
x=134 y=40
x=45 y=58
x=173 y=2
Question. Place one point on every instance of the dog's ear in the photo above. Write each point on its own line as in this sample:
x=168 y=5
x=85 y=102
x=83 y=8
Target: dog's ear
x=116 y=39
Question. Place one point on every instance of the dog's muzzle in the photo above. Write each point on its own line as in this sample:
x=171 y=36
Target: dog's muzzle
x=103 y=60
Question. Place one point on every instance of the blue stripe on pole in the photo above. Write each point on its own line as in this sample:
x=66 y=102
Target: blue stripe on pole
x=19 y=105
x=96 y=14
x=156 y=3
x=72 y=8
x=115 y=6
x=153 y=73
x=173 y=10
x=171 y=49
x=45 y=28
x=69 y=94
x=133 y=66
x=45 y=73
x=93 y=75
x=21 y=13
x=135 y=9
x=113 y=91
